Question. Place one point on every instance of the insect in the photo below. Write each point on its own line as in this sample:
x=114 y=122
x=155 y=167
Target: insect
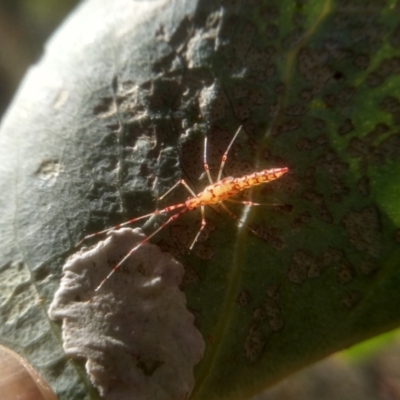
x=215 y=193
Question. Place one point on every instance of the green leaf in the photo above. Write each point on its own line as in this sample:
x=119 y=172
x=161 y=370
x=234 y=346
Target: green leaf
x=116 y=113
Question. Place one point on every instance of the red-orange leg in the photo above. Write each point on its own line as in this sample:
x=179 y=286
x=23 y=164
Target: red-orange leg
x=206 y=168
x=236 y=218
x=145 y=240
x=131 y=221
x=225 y=156
x=202 y=226
x=250 y=203
x=180 y=182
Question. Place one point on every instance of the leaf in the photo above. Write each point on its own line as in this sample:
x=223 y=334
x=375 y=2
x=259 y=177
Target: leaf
x=116 y=112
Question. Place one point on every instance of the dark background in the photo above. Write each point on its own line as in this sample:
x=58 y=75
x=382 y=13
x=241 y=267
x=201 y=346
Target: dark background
x=25 y=26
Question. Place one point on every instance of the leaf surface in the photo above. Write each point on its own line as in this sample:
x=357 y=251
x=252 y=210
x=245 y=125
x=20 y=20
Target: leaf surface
x=116 y=112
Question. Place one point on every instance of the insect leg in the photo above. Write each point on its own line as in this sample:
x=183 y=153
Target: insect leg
x=180 y=182
x=206 y=168
x=225 y=156
x=250 y=203
x=145 y=240
x=203 y=225
x=236 y=218
x=131 y=221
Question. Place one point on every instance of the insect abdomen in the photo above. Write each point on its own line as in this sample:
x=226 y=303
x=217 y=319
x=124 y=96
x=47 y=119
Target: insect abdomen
x=257 y=178
x=228 y=187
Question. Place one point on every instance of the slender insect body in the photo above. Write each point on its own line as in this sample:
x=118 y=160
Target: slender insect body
x=215 y=193
x=228 y=187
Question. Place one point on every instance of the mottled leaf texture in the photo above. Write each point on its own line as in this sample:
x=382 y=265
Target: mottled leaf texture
x=116 y=112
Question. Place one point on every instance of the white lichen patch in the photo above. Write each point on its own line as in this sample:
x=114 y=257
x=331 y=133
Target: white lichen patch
x=136 y=334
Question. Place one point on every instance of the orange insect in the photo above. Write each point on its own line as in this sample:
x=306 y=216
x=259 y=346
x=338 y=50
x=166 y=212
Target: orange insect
x=215 y=193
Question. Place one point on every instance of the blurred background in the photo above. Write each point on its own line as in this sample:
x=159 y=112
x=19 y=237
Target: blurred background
x=25 y=26
x=368 y=371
